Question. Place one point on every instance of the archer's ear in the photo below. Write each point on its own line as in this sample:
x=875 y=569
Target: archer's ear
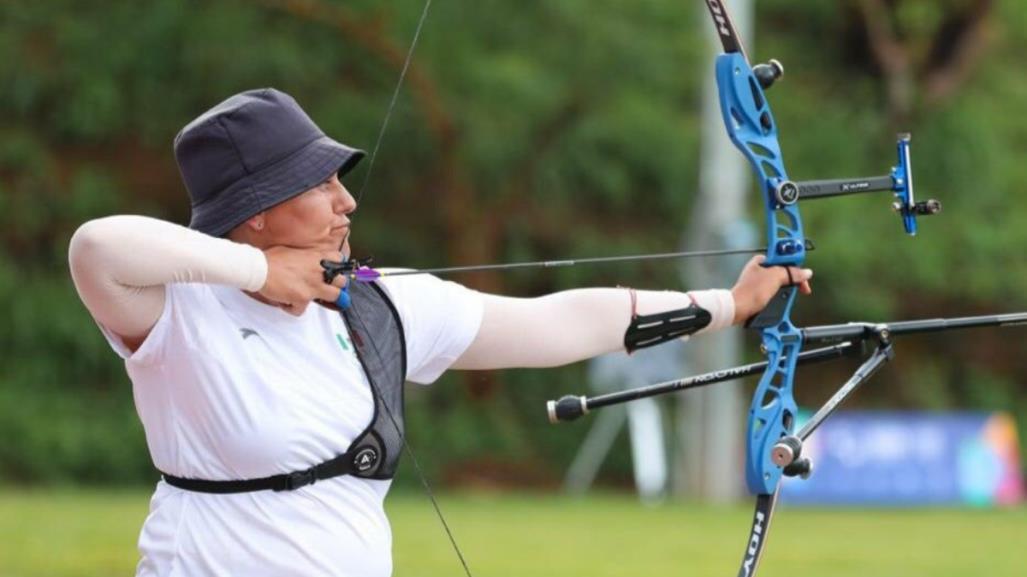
x=249 y=228
x=256 y=222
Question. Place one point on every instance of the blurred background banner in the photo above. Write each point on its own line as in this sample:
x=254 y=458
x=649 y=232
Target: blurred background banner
x=912 y=459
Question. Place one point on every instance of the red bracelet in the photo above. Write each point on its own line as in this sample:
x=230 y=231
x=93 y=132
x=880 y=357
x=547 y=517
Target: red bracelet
x=634 y=302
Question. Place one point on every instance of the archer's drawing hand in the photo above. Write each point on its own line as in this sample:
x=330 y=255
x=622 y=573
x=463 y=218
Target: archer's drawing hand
x=758 y=284
x=295 y=278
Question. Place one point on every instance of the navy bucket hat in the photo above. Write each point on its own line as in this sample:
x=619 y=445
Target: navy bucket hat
x=251 y=152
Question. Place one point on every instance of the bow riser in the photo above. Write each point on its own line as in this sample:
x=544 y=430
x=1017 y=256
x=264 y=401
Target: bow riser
x=751 y=127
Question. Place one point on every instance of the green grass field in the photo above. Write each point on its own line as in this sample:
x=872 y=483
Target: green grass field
x=80 y=534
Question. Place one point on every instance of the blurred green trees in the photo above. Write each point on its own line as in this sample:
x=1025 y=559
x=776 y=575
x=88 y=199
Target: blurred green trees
x=525 y=131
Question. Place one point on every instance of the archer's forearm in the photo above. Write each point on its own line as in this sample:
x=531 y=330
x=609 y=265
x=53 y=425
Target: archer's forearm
x=574 y=325
x=120 y=265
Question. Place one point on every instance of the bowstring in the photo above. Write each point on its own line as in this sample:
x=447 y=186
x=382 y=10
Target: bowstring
x=360 y=196
x=388 y=111
x=409 y=450
x=393 y=100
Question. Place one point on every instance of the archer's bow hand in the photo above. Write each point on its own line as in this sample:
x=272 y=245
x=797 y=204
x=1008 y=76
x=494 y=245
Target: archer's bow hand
x=757 y=284
x=295 y=278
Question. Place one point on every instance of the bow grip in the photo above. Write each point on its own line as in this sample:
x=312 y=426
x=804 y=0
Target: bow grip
x=775 y=311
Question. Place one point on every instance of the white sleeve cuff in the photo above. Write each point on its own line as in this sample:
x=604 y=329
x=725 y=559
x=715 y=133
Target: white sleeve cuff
x=255 y=267
x=720 y=304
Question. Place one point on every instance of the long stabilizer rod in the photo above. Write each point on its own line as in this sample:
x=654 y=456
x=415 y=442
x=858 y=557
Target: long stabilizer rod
x=849 y=335
x=570 y=407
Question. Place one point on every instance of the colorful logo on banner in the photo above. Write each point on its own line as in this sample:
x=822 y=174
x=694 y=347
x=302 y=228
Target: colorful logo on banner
x=912 y=458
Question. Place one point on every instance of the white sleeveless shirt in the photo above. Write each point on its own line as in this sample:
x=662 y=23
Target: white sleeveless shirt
x=227 y=387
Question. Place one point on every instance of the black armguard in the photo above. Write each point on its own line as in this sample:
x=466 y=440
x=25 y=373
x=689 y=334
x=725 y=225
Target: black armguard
x=649 y=330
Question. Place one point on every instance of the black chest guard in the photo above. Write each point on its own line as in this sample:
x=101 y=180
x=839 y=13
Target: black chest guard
x=377 y=335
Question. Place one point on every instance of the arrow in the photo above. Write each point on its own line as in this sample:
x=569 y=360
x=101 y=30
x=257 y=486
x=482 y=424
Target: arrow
x=360 y=271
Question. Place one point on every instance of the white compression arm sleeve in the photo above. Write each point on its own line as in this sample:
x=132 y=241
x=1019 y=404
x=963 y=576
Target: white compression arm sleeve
x=574 y=325
x=120 y=265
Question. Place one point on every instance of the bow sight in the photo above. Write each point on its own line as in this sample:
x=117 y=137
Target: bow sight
x=899 y=183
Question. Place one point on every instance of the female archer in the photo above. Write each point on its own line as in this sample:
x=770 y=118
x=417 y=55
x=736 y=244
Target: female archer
x=277 y=425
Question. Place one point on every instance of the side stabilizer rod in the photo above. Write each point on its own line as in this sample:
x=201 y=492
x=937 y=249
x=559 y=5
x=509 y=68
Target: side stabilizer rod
x=786 y=452
x=865 y=331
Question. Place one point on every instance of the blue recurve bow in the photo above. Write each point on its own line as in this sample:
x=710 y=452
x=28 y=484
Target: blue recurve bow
x=752 y=128
x=773 y=447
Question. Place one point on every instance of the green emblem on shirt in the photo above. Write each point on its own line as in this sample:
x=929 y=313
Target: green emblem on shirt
x=343 y=341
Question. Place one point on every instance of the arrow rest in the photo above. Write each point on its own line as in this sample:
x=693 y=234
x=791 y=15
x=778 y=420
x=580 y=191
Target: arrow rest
x=333 y=269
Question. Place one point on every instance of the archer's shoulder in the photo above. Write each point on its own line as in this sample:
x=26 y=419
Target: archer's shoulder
x=421 y=289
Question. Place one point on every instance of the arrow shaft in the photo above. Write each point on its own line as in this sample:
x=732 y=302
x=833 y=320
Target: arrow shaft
x=571 y=262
